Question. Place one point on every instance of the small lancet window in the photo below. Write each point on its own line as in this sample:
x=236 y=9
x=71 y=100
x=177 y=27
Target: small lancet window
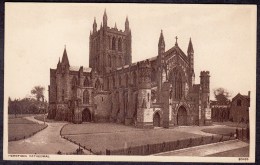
x=113 y=43
x=239 y=102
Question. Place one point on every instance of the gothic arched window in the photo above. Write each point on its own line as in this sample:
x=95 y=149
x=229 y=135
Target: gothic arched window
x=126 y=80
x=107 y=83
x=114 y=82
x=135 y=79
x=74 y=82
x=86 y=82
x=177 y=82
x=98 y=85
x=119 y=44
x=109 y=61
x=120 y=80
x=239 y=102
x=85 y=97
x=113 y=43
x=109 y=38
x=153 y=76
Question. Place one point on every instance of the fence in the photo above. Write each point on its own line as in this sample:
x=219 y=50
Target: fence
x=169 y=146
x=243 y=134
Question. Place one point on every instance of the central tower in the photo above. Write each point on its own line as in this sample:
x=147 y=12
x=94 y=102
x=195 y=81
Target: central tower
x=109 y=48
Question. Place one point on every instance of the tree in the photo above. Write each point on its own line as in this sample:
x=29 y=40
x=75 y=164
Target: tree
x=37 y=91
x=221 y=94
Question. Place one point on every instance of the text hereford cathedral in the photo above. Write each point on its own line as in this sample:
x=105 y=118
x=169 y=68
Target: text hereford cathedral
x=156 y=92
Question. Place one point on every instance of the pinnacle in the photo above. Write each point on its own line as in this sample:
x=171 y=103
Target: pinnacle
x=190 y=47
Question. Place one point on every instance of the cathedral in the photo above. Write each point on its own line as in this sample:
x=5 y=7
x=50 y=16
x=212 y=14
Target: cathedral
x=156 y=92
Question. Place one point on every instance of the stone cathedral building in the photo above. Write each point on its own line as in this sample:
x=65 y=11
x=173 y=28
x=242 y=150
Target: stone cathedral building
x=155 y=92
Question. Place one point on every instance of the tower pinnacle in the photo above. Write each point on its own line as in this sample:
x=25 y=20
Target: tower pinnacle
x=161 y=39
x=126 y=24
x=65 y=59
x=190 y=47
x=176 y=43
x=94 y=25
x=105 y=18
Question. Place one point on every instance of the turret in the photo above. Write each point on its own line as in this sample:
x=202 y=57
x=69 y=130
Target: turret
x=95 y=26
x=127 y=25
x=190 y=53
x=204 y=81
x=144 y=93
x=161 y=44
x=205 y=113
x=105 y=19
x=65 y=60
x=144 y=68
x=128 y=48
x=161 y=50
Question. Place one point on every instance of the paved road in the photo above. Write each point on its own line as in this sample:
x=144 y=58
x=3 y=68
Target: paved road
x=208 y=149
x=47 y=141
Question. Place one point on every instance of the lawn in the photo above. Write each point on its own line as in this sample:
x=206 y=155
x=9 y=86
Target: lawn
x=11 y=116
x=231 y=124
x=19 y=121
x=99 y=137
x=20 y=128
x=71 y=129
x=220 y=131
x=41 y=118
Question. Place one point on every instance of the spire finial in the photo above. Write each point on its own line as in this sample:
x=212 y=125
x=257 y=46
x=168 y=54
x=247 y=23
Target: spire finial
x=190 y=47
x=65 y=46
x=105 y=12
x=161 y=40
x=176 y=43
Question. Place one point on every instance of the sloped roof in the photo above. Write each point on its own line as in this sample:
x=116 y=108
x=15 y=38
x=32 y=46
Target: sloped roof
x=76 y=68
x=178 y=50
x=241 y=96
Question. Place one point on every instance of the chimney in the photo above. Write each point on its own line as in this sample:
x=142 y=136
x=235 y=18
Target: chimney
x=249 y=94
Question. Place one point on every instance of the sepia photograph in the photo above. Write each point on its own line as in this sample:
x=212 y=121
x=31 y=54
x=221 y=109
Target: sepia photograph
x=130 y=82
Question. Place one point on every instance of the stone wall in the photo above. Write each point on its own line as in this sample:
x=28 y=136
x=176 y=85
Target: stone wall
x=102 y=101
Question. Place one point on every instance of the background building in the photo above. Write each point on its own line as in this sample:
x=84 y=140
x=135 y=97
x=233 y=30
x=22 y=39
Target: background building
x=220 y=110
x=239 y=111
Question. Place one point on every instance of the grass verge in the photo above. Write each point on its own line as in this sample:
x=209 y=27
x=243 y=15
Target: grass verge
x=20 y=128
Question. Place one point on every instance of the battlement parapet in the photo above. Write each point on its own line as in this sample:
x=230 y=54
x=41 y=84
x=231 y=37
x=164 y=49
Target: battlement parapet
x=204 y=74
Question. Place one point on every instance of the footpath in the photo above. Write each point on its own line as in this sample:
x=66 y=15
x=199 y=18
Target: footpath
x=47 y=141
x=206 y=150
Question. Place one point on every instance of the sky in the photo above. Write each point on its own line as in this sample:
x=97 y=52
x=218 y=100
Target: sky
x=223 y=37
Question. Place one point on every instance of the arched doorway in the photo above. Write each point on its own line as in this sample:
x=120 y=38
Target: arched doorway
x=86 y=115
x=156 y=120
x=182 y=116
